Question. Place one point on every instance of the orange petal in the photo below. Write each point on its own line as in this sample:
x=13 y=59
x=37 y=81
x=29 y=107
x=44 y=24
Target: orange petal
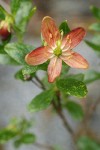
x=75 y=60
x=50 y=31
x=54 y=68
x=74 y=37
x=38 y=56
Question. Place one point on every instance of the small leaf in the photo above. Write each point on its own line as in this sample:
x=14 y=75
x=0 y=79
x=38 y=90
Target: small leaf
x=86 y=143
x=79 y=77
x=18 y=51
x=5 y=59
x=95 y=27
x=41 y=101
x=93 y=46
x=6 y=135
x=22 y=11
x=95 y=11
x=64 y=27
x=32 y=69
x=28 y=138
x=19 y=75
x=24 y=77
x=3 y=12
x=17 y=143
x=91 y=76
x=72 y=87
x=75 y=110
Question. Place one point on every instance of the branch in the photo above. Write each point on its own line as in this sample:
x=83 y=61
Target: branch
x=42 y=85
x=61 y=115
x=58 y=108
x=89 y=112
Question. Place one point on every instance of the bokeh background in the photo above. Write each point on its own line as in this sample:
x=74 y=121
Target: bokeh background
x=15 y=95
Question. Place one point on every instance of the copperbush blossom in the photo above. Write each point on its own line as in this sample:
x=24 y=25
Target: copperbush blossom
x=58 y=48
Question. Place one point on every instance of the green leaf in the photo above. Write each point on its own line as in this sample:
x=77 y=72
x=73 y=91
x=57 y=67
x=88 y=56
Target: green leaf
x=93 y=46
x=95 y=27
x=6 y=135
x=79 y=77
x=28 y=138
x=3 y=12
x=41 y=101
x=72 y=87
x=17 y=143
x=15 y=4
x=24 y=77
x=91 y=76
x=22 y=11
x=96 y=39
x=5 y=59
x=18 y=51
x=32 y=69
x=64 y=28
x=75 y=110
x=95 y=11
x=86 y=143
x=2 y=16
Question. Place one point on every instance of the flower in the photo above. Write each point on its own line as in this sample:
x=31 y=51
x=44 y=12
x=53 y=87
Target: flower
x=57 y=49
x=4 y=30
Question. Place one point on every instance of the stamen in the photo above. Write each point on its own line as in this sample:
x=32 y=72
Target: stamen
x=66 y=49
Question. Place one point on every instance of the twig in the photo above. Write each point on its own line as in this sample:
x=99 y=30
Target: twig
x=89 y=112
x=42 y=85
x=92 y=109
x=65 y=122
x=58 y=108
x=35 y=83
x=43 y=146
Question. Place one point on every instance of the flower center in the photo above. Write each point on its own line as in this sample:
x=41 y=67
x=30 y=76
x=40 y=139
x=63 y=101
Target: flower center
x=58 y=50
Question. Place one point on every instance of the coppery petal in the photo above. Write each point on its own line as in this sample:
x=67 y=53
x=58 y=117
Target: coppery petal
x=74 y=37
x=50 y=31
x=54 y=68
x=75 y=60
x=38 y=56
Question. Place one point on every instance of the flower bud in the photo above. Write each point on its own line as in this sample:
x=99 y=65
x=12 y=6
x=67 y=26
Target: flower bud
x=5 y=30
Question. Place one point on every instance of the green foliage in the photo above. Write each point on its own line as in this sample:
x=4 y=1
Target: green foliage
x=79 y=77
x=86 y=143
x=24 y=77
x=5 y=59
x=96 y=12
x=31 y=69
x=41 y=101
x=64 y=28
x=75 y=110
x=27 y=138
x=2 y=13
x=95 y=27
x=93 y=46
x=95 y=43
x=91 y=76
x=22 y=11
x=19 y=131
x=72 y=87
x=18 y=51
x=6 y=135
x=2 y=16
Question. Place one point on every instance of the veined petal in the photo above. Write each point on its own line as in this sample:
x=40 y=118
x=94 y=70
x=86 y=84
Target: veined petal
x=38 y=56
x=54 y=68
x=75 y=37
x=75 y=60
x=50 y=31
